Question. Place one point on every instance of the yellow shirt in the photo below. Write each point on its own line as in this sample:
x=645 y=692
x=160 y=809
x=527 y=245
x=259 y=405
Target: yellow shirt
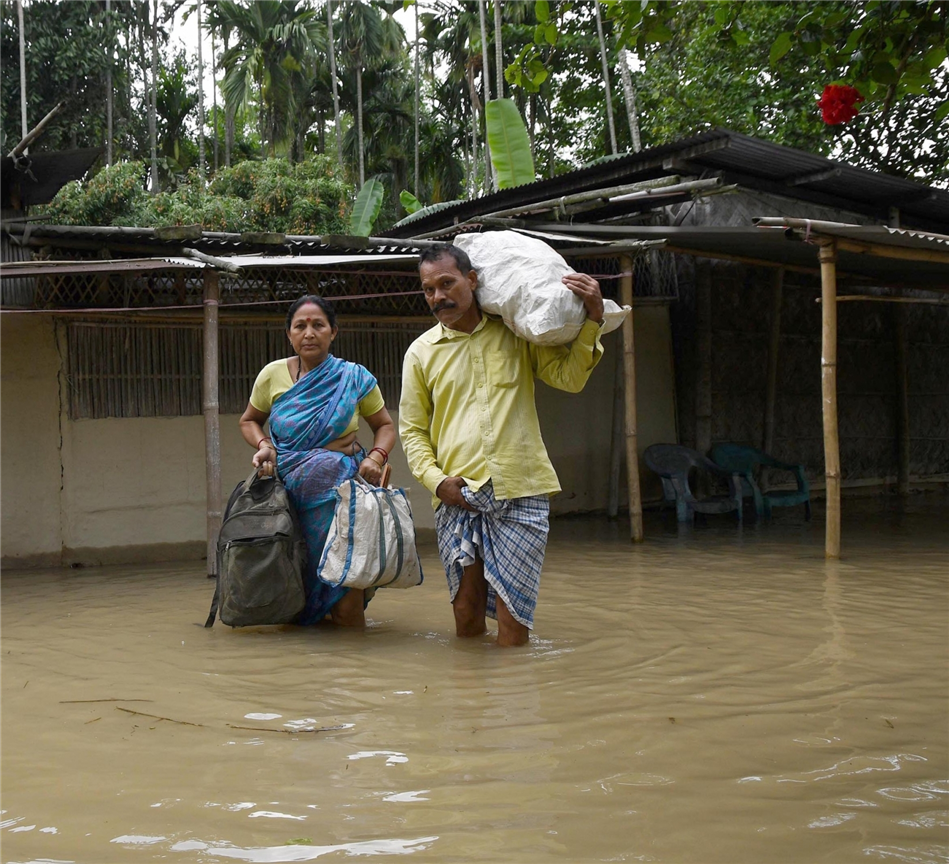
x=467 y=407
x=274 y=380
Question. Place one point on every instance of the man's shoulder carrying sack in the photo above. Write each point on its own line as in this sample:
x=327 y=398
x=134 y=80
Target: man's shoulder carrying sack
x=261 y=557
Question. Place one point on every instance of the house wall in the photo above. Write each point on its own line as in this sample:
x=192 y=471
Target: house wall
x=128 y=490
x=866 y=374
x=30 y=469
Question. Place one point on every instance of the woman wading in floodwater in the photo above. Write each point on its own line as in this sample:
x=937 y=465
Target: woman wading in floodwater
x=313 y=402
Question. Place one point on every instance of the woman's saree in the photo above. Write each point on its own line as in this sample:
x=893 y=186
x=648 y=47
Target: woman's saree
x=311 y=414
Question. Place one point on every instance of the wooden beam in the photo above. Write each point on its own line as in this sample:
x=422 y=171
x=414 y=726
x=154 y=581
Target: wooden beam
x=777 y=295
x=212 y=418
x=898 y=252
x=828 y=265
x=629 y=375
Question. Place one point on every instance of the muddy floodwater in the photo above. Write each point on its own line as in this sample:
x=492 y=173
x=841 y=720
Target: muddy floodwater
x=710 y=696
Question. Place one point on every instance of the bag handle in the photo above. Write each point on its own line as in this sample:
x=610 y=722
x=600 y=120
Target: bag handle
x=383 y=482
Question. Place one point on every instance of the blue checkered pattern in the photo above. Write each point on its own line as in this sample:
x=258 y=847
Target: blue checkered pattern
x=509 y=536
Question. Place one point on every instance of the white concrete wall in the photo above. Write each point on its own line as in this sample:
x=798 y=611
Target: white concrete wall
x=133 y=490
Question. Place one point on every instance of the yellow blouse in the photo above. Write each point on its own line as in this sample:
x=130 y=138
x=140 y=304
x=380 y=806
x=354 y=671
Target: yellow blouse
x=274 y=380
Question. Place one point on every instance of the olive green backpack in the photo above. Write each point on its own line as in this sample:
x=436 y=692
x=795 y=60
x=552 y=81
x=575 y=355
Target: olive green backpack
x=261 y=557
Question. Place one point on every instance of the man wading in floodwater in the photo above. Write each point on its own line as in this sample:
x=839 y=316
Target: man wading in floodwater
x=470 y=431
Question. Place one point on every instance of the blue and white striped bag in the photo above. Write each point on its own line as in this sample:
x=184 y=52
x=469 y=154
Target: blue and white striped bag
x=371 y=543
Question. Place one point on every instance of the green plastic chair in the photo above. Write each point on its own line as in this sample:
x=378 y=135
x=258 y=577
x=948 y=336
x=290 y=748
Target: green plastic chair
x=743 y=460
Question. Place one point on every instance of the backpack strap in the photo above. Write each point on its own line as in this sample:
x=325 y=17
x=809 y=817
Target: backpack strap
x=214 y=603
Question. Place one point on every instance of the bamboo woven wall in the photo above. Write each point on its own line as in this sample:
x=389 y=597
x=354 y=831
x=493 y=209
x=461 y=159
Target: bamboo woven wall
x=153 y=369
x=867 y=386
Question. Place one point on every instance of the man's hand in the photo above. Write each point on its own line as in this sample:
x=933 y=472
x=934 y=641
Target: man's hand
x=449 y=492
x=588 y=290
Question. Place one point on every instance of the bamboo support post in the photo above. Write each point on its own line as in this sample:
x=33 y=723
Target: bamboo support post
x=212 y=419
x=774 y=342
x=828 y=270
x=616 y=437
x=629 y=375
x=703 y=360
x=902 y=401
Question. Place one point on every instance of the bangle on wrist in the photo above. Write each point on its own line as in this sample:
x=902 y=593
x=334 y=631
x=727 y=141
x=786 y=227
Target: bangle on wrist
x=269 y=443
x=385 y=455
x=369 y=457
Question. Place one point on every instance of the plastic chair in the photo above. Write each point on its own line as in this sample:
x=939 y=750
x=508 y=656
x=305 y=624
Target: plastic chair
x=673 y=462
x=743 y=460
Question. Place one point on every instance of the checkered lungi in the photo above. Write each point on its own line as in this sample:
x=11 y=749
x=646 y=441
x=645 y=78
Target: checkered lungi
x=509 y=536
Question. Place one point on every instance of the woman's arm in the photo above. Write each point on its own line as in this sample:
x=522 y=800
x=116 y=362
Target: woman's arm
x=252 y=428
x=383 y=431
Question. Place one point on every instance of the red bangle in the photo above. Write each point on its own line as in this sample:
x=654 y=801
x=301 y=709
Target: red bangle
x=265 y=439
x=385 y=454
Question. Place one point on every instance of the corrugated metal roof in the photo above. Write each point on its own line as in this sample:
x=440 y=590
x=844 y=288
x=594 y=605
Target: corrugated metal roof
x=750 y=162
x=773 y=246
x=130 y=265
x=211 y=242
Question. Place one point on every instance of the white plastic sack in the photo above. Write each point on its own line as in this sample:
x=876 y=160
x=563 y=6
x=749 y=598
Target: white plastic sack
x=371 y=543
x=519 y=279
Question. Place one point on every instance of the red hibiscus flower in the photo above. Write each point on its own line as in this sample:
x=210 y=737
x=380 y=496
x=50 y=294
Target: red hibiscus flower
x=838 y=103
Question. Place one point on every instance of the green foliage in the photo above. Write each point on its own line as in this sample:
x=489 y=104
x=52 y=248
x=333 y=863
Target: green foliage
x=272 y=195
x=66 y=56
x=757 y=68
x=510 y=145
x=409 y=202
x=366 y=208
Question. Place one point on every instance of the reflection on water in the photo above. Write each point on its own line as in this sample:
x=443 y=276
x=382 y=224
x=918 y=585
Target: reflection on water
x=714 y=695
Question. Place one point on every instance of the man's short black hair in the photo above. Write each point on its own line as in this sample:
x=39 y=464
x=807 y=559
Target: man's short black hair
x=441 y=250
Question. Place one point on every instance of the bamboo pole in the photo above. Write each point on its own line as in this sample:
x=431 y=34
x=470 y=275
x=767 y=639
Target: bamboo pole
x=629 y=374
x=703 y=360
x=828 y=267
x=777 y=295
x=925 y=301
x=902 y=401
x=616 y=436
x=212 y=419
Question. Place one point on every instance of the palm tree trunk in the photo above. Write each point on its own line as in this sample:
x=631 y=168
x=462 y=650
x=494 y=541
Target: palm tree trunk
x=486 y=79
x=214 y=91
x=418 y=82
x=108 y=87
x=498 y=52
x=22 y=36
x=472 y=90
x=629 y=94
x=201 y=155
x=362 y=160
x=228 y=122
x=606 y=74
x=153 y=100
x=332 y=53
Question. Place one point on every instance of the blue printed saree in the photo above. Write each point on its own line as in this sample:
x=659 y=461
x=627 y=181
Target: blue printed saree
x=311 y=414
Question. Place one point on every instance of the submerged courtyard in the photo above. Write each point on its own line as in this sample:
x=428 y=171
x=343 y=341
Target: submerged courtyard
x=715 y=694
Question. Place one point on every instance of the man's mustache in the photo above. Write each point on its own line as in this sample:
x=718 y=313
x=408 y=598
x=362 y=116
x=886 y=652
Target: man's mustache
x=442 y=306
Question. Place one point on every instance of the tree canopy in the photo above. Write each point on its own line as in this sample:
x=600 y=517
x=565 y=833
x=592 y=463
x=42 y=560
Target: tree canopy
x=754 y=67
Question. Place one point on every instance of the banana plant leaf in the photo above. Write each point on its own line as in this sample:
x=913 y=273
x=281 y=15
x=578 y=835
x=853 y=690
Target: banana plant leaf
x=410 y=202
x=510 y=144
x=366 y=209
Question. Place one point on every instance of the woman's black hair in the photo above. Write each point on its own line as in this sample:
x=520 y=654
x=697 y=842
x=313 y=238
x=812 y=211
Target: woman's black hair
x=323 y=303
x=442 y=250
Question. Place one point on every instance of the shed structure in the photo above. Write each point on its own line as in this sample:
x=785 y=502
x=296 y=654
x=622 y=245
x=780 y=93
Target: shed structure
x=115 y=337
